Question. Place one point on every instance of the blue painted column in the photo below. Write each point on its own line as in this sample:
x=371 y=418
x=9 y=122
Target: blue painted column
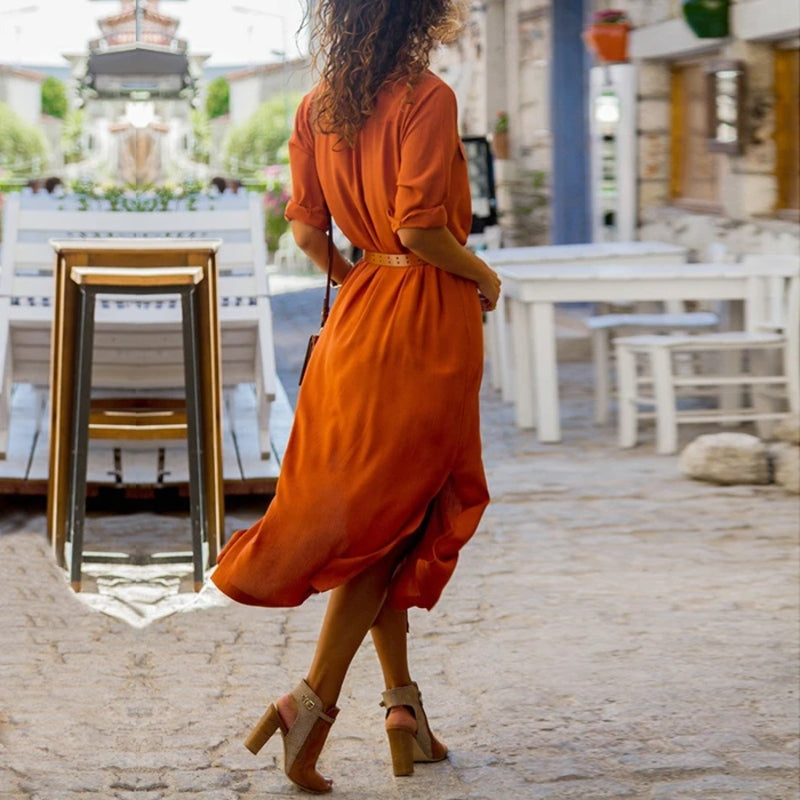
x=569 y=64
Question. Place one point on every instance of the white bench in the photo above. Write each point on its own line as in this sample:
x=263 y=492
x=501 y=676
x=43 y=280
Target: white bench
x=137 y=345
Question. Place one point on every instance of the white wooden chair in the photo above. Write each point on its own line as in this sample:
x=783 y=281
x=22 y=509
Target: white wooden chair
x=604 y=327
x=138 y=344
x=765 y=381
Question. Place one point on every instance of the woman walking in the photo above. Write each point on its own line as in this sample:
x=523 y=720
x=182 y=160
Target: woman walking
x=382 y=481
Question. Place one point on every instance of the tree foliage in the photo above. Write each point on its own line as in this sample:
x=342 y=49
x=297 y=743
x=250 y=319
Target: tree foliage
x=54 y=97
x=218 y=98
x=262 y=139
x=72 y=136
x=22 y=146
x=201 y=136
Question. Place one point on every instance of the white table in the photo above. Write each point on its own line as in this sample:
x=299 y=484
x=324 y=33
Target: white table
x=532 y=290
x=596 y=252
x=576 y=254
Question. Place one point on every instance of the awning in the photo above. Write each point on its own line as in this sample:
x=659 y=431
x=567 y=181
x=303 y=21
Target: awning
x=120 y=71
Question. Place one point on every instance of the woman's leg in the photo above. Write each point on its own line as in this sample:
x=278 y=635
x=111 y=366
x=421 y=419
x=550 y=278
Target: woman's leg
x=389 y=635
x=405 y=718
x=351 y=612
x=390 y=630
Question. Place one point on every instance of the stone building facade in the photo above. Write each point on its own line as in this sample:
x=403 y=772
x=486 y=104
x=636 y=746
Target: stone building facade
x=512 y=58
x=745 y=211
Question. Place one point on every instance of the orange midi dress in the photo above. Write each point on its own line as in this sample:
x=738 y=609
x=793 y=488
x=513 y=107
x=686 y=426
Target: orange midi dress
x=385 y=445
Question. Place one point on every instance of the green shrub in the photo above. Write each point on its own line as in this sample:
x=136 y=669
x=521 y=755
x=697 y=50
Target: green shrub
x=218 y=98
x=262 y=139
x=72 y=136
x=23 y=148
x=54 y=98
x=201 y=137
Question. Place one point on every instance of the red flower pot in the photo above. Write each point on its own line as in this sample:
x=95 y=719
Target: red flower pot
x=609 y=41
x=500 y=145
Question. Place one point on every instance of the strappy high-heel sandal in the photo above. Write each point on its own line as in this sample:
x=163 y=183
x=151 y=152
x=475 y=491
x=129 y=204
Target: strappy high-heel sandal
x=410 y=740
x=302 y=740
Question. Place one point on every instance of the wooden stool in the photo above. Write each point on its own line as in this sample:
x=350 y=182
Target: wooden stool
x=139 y=269
x=159 y=423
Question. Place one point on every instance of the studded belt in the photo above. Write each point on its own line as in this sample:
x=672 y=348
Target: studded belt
x=393 y=259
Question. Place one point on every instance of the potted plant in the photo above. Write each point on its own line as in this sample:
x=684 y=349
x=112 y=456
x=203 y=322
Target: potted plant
x=500 y=145
x=607 y=36
x=708 y=19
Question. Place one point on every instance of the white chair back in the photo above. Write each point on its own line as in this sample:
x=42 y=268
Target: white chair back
x=773 y=306
x=27 y=256
x=770 y=290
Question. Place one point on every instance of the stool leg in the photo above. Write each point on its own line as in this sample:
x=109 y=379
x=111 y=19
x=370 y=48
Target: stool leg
x=79 y=440
x=197 y=494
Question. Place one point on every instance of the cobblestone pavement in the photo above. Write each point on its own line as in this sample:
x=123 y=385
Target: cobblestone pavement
x=613 y=632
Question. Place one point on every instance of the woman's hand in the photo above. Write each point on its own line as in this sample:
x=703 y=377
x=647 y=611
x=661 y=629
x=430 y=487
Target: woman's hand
x=439 y=247
x=489 y=289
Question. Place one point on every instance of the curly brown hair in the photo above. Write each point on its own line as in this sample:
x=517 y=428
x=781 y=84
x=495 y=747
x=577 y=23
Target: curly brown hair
x=359 y=45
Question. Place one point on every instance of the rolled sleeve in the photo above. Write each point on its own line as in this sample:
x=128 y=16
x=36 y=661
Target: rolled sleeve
x=435 y=217
x=307 y=203
x=429 y=144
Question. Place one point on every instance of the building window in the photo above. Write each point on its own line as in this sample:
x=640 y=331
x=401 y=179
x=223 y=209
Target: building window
x=787 y=131
x=694 y=172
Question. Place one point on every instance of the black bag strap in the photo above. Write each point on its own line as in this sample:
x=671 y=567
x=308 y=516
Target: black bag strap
x=326 y=304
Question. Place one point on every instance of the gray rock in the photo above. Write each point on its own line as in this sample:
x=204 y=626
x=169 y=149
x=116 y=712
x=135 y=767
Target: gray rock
x=726 y=458
x=786 y=461
x=788 y=429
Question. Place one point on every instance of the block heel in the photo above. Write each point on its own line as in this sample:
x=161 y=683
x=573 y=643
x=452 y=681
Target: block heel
x=401 y=745
x=263 y=730
x=410 y=744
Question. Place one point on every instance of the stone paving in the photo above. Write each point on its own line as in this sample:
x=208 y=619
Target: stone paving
x=613 y=632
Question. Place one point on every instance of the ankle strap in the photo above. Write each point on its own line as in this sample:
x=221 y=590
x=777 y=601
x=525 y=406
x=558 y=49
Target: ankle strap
x=402 y=696
x=306 y=699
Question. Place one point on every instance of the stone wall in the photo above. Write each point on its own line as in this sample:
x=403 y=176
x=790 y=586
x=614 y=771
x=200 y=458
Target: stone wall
x=746 y=221
x=503 y=63
x=653 y=127
x=718 y=237
x=520 y=196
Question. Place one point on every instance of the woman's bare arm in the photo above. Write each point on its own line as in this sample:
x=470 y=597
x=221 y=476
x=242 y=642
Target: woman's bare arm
x=314 y=243
x=439 y=247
